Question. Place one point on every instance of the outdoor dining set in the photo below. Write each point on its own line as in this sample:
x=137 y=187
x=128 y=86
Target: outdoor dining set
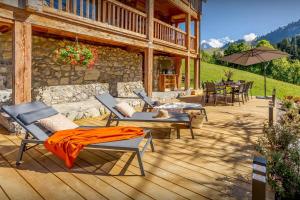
x=228 y=90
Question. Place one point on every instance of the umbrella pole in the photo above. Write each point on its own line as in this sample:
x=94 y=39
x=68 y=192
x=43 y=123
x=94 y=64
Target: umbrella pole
x=265 y=78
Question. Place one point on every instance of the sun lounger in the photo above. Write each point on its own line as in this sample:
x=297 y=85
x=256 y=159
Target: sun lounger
x=149 y=104
x=109 y=102
x=28 y=114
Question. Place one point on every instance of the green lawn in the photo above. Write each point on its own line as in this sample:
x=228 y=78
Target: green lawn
x=216 y=72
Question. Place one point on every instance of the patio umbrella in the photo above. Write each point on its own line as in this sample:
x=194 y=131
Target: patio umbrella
x=256 y=56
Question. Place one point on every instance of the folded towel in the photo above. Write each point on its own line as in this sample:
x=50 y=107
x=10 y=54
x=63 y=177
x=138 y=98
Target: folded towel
x=67 y=144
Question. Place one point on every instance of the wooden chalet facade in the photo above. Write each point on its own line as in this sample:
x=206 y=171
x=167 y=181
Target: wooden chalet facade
x=151 y=27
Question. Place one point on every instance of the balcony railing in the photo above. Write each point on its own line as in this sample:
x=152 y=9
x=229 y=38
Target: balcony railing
x=120 y=17
x=168 y=33
x=111 y=12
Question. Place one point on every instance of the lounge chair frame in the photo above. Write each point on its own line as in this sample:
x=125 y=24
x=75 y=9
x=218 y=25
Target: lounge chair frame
x=36 y=136
x=149 y=104
x=116 y=116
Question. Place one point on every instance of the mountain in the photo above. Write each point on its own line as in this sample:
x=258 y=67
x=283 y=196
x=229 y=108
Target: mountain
x=281 y=33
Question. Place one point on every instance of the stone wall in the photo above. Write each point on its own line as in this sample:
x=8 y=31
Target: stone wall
x=113 y=65
x=6 y=60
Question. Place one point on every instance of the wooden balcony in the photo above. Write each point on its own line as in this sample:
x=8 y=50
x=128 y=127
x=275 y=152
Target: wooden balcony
x=119 y=18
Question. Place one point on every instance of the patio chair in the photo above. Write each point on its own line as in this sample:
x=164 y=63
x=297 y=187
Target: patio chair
x=239 y=92
x=246 y=91
x=212 y=89
x=28 y=114
x=109 y=102
x=149 y=104
x=250 y=87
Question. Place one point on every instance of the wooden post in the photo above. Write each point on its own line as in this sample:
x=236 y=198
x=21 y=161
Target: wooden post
x=196 y=73
x=148 y=72
x=187 y=72
x=188 y=31
x=188 y=45
x=259 y=180
x=178 y=62
x=21 y=62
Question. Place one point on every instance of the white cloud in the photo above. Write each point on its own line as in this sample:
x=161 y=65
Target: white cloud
x=217 y=43
x=250 y=37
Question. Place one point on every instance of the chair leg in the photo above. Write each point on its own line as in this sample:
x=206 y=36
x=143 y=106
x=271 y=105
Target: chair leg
x=21 y=151
x=109 y=120
x=205 y=114
x=215 y=99
x=117 y=124
x=139 y=157
x=243 y=99
x=191 y=129
x=178 y=132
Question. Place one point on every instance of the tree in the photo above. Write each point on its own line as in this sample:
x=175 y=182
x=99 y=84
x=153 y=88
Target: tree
x=264 y=43
x=236 y=48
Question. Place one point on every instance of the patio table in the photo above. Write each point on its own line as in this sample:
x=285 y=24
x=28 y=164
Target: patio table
x=232 y=85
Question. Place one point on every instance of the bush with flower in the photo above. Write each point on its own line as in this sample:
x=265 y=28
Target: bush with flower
x=76 y=55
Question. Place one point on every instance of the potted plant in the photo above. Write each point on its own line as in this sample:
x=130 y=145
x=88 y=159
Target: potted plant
x=76 y=55
x=228 y=74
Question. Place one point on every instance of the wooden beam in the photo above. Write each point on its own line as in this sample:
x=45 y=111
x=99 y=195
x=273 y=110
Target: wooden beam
x=178 y=62
x=188 y=32
x=196 y=73
x=150 y=17
x=148 y=71
x=197 y=34
x=22 y=62
x=187 y=72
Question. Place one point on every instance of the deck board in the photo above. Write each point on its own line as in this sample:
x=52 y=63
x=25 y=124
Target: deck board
x=216 y=165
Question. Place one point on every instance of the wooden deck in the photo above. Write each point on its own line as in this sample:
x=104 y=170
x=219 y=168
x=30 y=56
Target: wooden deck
x=216 y=165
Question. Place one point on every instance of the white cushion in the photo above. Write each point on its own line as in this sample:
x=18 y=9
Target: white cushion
x=57 y=123
x=125 y=109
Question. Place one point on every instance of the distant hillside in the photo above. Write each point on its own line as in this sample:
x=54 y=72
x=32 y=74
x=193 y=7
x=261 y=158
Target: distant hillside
x=281 y=33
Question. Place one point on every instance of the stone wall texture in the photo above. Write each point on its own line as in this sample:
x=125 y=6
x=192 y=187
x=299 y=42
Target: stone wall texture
x=6 y=60
x=112 y=66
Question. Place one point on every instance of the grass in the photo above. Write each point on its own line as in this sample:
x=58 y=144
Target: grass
x=214 y=72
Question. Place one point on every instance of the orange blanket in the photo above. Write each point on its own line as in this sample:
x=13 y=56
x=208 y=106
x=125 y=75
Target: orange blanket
x=68 y=143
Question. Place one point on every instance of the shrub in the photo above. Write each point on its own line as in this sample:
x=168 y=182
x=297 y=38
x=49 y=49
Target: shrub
x=281 y=146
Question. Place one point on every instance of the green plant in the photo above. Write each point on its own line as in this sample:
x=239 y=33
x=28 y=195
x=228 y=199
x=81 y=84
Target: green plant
x=76 y=55
x=281 y=146
x=228 y=74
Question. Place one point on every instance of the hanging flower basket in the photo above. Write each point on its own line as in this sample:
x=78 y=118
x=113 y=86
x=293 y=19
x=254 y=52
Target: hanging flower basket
x=76 y=55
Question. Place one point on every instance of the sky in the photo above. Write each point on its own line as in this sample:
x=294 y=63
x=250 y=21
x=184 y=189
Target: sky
x=229 y=20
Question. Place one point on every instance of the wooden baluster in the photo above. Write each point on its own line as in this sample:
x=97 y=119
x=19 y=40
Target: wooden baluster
x=113 y=7
x=122 y=18
x=109 y=20
x=67 y=5
x=126 y=20
x=87 y=9
x=75 y=7
x=118 y=16
x=51 y=3
x=81 y=8
x=59 y=4
x=134 y=22
x=129 y=21
x=104 y=11
x=93 y=10
x=99 y=10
